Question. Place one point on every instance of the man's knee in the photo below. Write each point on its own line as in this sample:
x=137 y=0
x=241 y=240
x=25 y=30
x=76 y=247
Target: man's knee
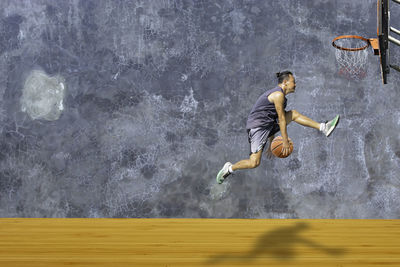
x=292 y=115
x=256 y=164
x=255 y=160
x=295 y=114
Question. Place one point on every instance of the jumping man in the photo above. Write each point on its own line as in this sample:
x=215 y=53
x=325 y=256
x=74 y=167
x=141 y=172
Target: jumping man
x=267 y=117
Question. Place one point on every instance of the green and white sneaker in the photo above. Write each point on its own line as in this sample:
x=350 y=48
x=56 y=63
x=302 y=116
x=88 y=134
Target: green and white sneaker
x=223 y=173
x=330 y=126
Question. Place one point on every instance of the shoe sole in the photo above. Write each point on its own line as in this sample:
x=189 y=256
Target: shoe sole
x=334 y=127
x=220 y=175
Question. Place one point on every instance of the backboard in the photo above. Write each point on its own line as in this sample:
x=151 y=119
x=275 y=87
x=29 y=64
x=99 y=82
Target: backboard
x=383 y=37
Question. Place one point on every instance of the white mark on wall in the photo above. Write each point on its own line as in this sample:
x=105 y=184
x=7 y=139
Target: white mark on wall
x=189 y=104
x=42 y=96
x=184 y=77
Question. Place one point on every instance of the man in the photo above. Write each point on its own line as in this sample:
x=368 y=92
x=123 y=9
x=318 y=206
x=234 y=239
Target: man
x=267 y=117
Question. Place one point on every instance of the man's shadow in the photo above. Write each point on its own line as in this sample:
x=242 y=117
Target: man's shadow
x=280 y=244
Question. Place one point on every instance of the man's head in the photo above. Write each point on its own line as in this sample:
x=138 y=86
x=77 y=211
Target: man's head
x=286 y=81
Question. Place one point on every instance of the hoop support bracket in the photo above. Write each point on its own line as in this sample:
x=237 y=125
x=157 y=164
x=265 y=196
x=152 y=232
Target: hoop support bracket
x=394 y=40
x=394 y=30
x=395 y=67
x=374 y=42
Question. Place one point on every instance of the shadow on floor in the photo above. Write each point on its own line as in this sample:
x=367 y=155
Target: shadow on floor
x=279 y=244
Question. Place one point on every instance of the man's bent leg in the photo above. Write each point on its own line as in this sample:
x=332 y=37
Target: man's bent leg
x=250 y=163
x=293 y=115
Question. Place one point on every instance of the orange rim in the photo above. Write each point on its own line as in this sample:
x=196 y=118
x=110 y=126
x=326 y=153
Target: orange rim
x=350 y=37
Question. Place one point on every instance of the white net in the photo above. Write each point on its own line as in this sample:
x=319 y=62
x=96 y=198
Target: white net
x=352 y=64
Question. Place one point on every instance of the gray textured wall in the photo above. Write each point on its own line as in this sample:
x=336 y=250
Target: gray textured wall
x=129 y=109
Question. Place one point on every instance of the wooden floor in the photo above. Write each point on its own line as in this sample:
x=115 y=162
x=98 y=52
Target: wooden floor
x=199 y=242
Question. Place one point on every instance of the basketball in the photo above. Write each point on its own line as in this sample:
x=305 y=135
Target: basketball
x=277 y=144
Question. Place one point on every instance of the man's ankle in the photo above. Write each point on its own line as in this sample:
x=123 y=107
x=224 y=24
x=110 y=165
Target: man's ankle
x=230 y=169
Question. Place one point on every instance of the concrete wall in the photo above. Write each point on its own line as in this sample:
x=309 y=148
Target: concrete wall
x=130 y=108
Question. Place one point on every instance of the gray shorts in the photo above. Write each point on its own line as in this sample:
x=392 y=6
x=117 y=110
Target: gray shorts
x=258 y=137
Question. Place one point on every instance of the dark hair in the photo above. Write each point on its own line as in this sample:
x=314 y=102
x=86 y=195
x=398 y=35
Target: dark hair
x=284 y=75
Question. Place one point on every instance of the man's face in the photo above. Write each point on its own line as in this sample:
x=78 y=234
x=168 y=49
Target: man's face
x=290 y=84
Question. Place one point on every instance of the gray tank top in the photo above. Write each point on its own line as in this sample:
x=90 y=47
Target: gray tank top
x=263 y=112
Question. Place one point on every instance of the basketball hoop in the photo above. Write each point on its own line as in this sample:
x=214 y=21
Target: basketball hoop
x=351 y=55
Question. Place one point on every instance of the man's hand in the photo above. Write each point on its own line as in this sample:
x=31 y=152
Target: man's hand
x=285 y=147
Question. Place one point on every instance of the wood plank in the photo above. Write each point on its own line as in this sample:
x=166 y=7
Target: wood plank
x=198 y=242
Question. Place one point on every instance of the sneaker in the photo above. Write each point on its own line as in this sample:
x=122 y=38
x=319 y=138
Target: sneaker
x=223 y=173
x=330 y=126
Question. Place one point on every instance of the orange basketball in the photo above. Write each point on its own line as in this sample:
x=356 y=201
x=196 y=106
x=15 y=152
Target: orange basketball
x=277 y=144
